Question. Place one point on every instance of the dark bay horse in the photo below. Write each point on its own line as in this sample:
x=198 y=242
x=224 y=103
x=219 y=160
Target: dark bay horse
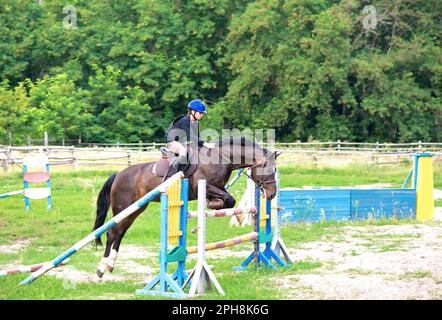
x=214 y=165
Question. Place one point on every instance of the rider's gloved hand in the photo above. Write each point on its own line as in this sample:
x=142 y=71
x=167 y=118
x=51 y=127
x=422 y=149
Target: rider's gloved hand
x=209 y=145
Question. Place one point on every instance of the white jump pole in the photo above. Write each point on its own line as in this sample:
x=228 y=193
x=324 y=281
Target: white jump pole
x=13 y=193
x=247 y=201
x=223 y=212
x=202 y=275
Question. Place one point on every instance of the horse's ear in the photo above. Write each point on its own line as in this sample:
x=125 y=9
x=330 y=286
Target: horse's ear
x=277 y=154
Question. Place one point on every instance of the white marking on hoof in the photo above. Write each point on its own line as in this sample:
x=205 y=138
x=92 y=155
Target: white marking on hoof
x=112 y=259
x=102 y=266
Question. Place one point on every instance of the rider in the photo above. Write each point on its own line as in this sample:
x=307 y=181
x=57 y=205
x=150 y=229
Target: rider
x=185 y=130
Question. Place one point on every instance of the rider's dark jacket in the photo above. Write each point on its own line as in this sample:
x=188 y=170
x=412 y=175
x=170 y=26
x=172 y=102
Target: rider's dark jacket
x=183 y=130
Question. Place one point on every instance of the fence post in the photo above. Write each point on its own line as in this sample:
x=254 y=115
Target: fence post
x=74 y=160
x=339 y=145
x=9 y=156
x=315 y=160
x=46 y=141
x=5 y=164
x=129 y=161
x=6 y=161
x=377 y=152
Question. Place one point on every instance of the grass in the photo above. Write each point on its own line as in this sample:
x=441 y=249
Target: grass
x=359 y=271
x=416 y=275
x=47 y=233
x=388 y=236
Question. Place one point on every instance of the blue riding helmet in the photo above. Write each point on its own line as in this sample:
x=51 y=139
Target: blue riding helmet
x=197 y=105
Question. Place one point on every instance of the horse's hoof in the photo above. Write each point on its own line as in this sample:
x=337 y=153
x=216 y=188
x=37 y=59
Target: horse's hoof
x=100 y=273
x=215 y=204
x=110 y=269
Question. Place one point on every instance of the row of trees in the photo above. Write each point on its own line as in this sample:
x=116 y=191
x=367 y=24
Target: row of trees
x=311 y=69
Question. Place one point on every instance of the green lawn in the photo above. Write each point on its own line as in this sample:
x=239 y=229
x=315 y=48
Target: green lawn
x=46 y=234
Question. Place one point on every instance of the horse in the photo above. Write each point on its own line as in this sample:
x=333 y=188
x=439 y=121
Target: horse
x=124 y=188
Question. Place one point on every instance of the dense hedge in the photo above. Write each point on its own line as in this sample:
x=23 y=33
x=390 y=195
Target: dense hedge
x=307 y=68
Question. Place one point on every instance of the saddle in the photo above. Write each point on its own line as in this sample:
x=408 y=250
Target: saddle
x=163 y=168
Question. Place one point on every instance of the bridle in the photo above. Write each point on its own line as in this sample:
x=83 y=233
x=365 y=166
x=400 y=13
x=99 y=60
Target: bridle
x=260 y=183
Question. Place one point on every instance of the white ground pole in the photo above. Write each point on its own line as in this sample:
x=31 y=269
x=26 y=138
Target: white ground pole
x=202 y=275
x=13 y=193
x=247 y=201
x=278 y=244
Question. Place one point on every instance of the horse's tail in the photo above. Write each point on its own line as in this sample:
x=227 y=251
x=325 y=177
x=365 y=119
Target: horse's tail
x=103 y=203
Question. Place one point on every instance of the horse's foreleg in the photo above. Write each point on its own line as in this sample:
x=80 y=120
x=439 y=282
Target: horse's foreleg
x=219 y=198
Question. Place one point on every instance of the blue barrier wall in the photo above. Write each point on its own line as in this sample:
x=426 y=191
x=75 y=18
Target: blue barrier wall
x=345 y=204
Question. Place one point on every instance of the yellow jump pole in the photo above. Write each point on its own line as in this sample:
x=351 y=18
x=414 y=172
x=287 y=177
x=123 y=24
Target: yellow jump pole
x=423 y=183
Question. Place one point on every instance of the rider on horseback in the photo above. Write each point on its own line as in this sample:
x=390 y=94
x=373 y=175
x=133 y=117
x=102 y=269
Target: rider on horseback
x=185 y=130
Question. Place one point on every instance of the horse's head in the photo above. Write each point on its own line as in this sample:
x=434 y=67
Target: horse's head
x=241 y=152
x=263 y=172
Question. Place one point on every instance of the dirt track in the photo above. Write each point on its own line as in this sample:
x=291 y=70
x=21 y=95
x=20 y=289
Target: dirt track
x=371 y=262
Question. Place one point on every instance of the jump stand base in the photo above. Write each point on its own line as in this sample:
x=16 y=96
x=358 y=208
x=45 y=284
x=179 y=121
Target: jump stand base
x=203 y=278
x=165 y=282
x=279 y=247
x=264 y=258
x=180 y=275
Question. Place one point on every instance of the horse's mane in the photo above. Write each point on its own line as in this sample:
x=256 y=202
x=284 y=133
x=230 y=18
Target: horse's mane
x=239 y=141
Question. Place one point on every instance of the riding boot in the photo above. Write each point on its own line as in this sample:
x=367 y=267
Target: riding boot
x=175 y=165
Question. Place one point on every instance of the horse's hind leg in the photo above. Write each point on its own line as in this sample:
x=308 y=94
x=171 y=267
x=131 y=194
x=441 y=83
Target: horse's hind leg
x=110 y=255
x=101 y=269
x=119 y=234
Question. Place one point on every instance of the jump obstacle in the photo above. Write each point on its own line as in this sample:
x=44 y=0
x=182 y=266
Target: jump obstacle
x=173 y=232
x=357 y=203
x=108 y=225
x=35 y=170
x=202 y=275
x=341 y=203
x=246 y=218
x=31 y=268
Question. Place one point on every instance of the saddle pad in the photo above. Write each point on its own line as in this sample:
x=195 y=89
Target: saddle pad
x=160 y=167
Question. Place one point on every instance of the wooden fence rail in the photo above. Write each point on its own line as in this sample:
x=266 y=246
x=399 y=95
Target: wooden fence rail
x=133 y=153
